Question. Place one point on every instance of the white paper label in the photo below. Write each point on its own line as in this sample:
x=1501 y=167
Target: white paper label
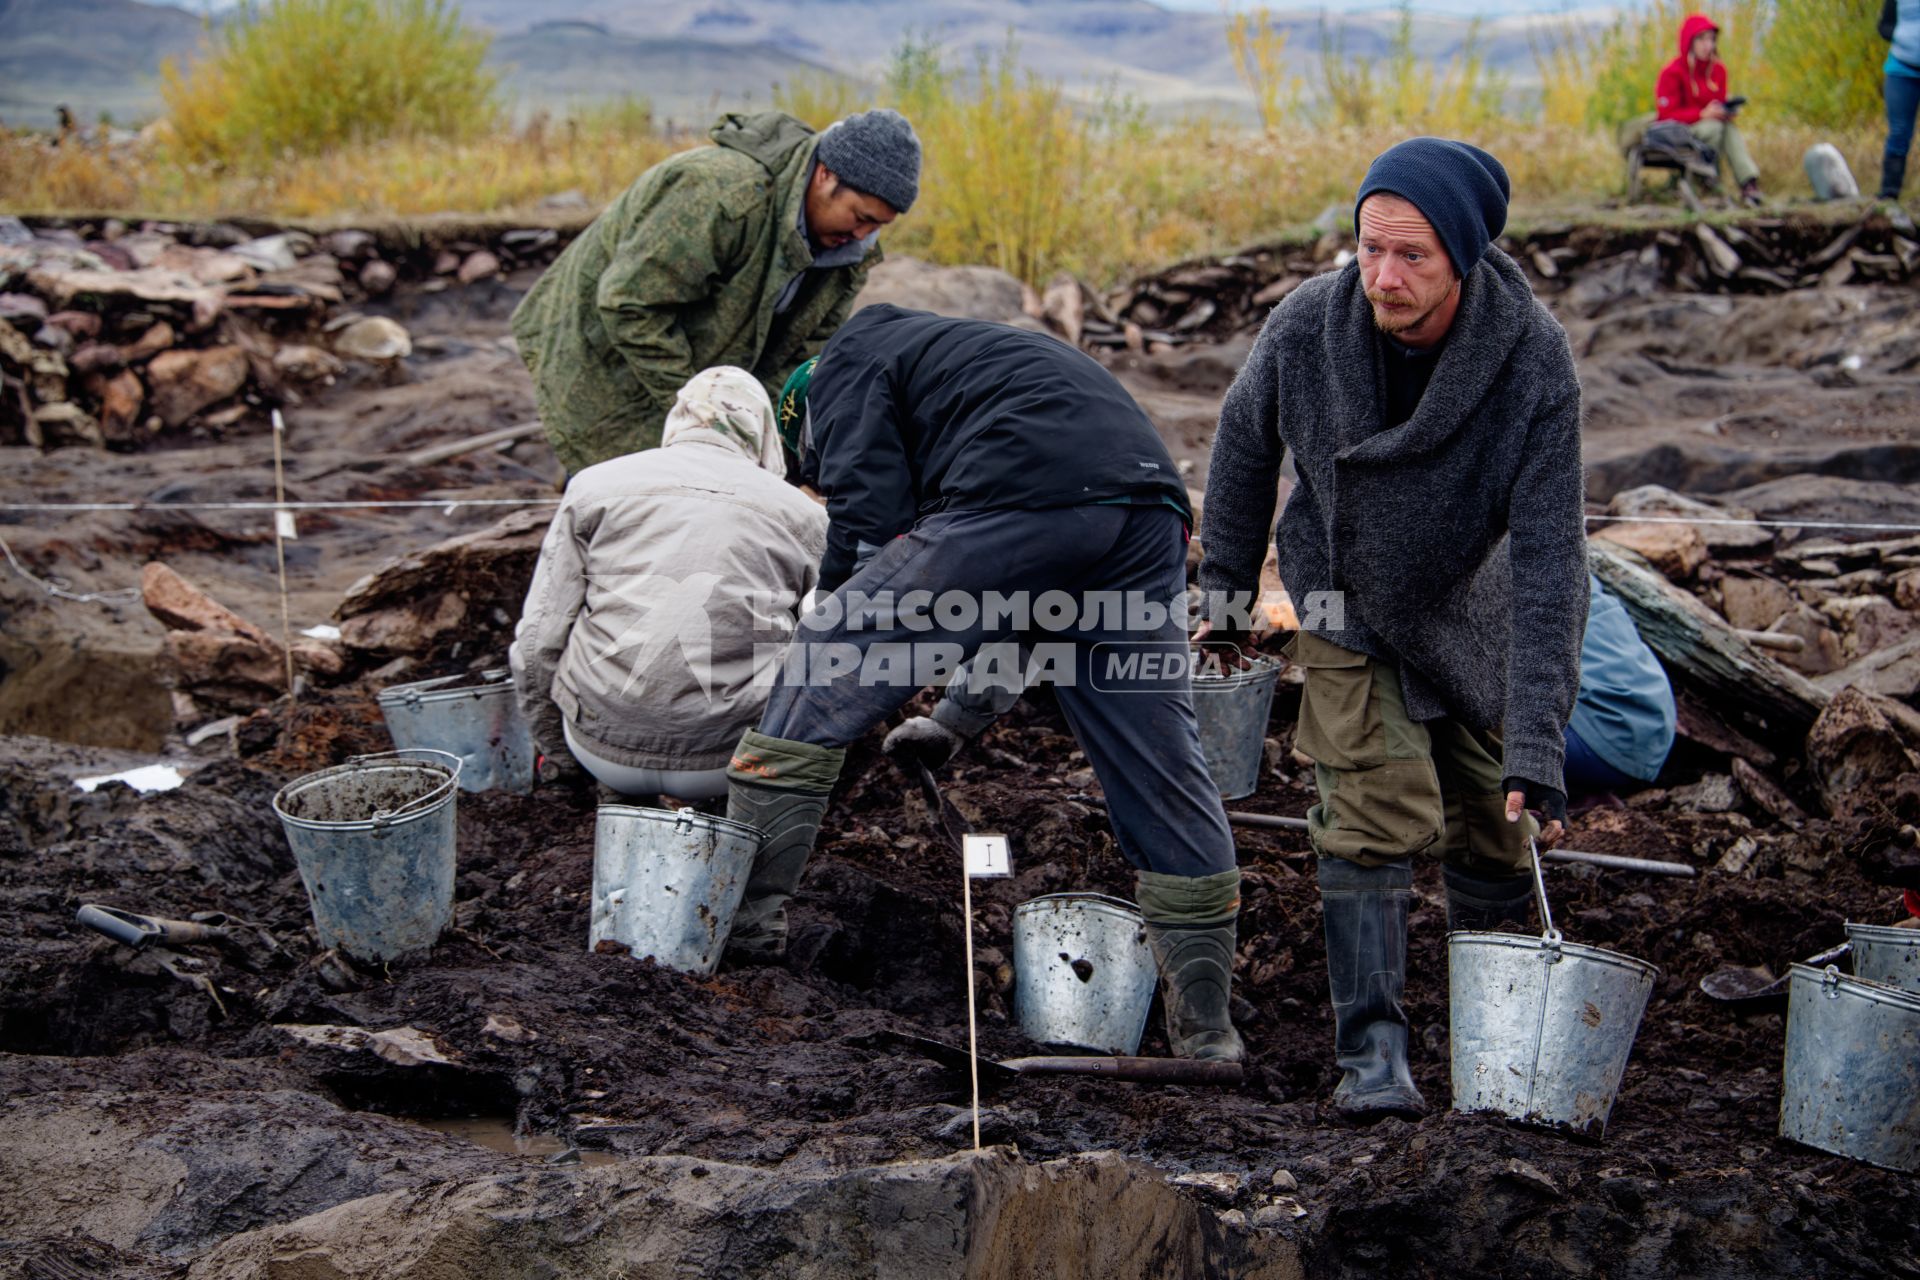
x=283 y=522
x=988 y=855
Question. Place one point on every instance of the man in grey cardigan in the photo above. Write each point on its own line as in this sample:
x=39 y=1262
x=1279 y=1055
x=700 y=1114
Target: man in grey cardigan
x=1435 y=550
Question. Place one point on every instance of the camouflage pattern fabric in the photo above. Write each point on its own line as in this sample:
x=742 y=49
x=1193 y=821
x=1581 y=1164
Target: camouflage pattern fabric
x=679 y=274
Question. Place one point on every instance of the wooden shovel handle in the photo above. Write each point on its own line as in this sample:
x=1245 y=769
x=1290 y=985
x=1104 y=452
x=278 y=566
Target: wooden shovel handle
x=1141 y=1070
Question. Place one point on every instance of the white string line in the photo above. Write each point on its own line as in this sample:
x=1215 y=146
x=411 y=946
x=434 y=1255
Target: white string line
x=1762 y=524
x=450 y=505
x=61 y=593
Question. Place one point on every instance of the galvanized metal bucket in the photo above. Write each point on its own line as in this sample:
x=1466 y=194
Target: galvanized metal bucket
x=1233 y=709
x=1882 y=953
x=1852 y=1082
x=666 y=884
x=475 y=718
x=374 y=841
x=1542 y=1028
x=1083 y=974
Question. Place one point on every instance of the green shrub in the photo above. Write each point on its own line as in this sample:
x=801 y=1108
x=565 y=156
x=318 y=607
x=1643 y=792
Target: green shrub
x=1824 y=59
x=302 y=77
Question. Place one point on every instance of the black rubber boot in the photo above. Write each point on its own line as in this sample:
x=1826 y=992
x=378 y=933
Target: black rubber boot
x=1191 y=930
x=1893 y=175
x=1487 y=905
x=1365 y=911
x=780 y=788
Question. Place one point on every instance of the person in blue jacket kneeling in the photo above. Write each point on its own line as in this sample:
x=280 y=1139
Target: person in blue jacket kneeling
x=1624 y=718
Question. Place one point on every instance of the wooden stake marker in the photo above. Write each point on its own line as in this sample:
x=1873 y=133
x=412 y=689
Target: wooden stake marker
x=983 y=856
x=283 y=529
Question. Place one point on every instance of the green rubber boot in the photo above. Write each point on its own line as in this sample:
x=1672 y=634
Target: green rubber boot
x=1190 y=927
x=780 y=788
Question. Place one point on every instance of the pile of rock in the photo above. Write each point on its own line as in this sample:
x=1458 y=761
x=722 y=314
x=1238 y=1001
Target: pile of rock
x=142 y=332
x=216 y=660
x=1587 y=267
x=114 y=334
x=455 y=601
x=1799 y=663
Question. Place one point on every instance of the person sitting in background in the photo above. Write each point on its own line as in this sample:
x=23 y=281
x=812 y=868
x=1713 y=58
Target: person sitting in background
x=668 y=580
x=1693 y=90
x=1624 y=718
x=1899 y=23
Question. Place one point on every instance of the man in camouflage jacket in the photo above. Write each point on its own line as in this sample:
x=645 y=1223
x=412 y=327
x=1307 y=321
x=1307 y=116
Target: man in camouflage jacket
x=747 y=253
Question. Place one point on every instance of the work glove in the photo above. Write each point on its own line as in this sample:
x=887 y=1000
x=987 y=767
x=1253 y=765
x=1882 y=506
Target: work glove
x=921 y=740
x=553 y=765
x=1544 y=800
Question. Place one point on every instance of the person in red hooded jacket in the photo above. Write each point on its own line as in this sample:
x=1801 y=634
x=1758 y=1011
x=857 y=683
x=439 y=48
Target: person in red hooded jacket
x=1693 y=91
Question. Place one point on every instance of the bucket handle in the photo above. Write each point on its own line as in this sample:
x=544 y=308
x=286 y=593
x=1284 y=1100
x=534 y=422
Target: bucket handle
x=383 y=818
x=1830 y=982
x=1550 y=935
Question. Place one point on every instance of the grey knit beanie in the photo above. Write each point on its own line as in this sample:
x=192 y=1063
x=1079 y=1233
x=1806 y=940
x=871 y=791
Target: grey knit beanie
x=876 y=152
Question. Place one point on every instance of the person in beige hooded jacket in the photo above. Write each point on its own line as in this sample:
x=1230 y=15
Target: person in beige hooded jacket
x=667 y=588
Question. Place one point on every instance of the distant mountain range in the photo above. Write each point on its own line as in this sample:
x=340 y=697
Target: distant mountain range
x=95 y=55
x=692 y=57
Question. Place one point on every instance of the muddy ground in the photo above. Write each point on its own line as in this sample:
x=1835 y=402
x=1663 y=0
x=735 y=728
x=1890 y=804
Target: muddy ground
x=155 y=1128
x=796 y=1067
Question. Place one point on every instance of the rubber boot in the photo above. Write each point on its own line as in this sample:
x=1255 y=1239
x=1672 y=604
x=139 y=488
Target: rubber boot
x=1893 y=175
x=1190 y=928
x=780 y=788
x=1365 y=911
x=1487 y=904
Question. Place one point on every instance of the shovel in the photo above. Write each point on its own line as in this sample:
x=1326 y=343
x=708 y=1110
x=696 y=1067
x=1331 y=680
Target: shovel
x=138 y=931
x=1738 y=985
x=1136 y=1070
x=951 y=822
x=1139 y=1070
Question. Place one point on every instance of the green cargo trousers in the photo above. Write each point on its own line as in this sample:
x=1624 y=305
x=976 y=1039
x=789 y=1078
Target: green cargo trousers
x=1391 y=787
x=1725 y=138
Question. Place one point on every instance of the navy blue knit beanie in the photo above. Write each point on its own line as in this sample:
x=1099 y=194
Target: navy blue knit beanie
x=1460 y=188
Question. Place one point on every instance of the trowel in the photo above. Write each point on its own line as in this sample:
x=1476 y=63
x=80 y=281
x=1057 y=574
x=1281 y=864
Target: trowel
x=1737 y=984
x=138 y=931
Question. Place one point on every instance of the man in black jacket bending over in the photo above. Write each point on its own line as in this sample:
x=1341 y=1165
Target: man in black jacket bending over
x=1432 y=409
x=989 y=486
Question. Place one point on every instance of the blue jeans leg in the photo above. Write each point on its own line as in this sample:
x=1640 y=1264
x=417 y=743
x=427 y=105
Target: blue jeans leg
x=1903 y=102
x=1588 y=774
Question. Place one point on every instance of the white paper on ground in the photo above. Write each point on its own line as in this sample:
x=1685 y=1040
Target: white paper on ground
x=148 y=777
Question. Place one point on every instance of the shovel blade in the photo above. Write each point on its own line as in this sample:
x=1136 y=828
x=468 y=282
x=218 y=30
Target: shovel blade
x=1735 y=984
x=954 y=1058
x=1738 y=985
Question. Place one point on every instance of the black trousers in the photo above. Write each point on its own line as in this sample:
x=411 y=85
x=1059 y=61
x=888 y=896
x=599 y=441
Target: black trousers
x=1074 y=591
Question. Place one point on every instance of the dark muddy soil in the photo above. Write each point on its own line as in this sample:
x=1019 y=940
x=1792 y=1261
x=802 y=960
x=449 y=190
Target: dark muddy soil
x=799 y=1063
